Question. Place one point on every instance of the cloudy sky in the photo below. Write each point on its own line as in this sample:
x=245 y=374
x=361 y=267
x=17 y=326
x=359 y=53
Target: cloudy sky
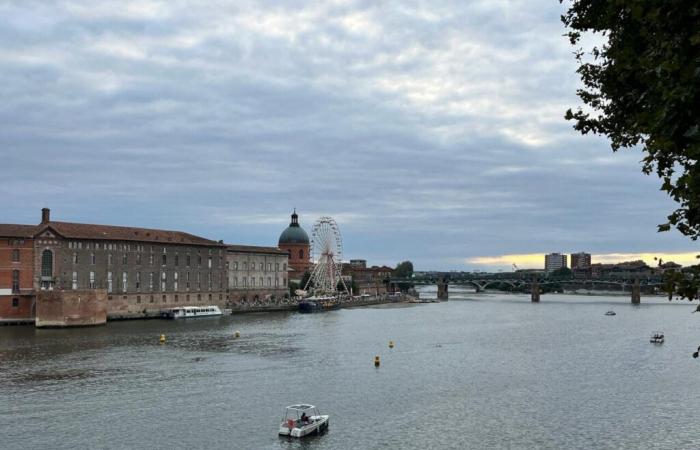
x=430 y=130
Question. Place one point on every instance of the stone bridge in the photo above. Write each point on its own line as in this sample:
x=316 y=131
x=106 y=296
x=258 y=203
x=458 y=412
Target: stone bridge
x=535 y=285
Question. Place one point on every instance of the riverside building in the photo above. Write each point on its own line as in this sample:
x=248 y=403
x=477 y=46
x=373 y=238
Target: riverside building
x=256 y=274
x=82 y=271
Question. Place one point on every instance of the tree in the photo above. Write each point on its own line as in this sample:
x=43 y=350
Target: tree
x=642 y=89
x=305 y=279
x=404 y=270
x=562 y=272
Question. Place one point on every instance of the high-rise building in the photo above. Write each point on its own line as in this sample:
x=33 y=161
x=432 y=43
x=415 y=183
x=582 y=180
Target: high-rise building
x=581 y=260
x=554 y=261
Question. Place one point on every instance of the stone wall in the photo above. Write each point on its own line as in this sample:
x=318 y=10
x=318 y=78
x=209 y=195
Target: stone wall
x=74 y=308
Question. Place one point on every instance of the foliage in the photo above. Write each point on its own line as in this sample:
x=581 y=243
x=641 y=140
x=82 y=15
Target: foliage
x=642 y=88
x=563 y=272
x=293 y=286
x=305 y=279
x=683 y=284
x=404 y=270
x=353 y=286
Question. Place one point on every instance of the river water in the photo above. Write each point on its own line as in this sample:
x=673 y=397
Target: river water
x=478 y=371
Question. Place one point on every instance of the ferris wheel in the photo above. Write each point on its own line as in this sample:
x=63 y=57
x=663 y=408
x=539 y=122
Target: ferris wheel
x=327 y=256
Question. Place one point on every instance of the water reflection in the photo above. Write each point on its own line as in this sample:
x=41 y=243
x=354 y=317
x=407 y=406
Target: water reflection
x=478 y=371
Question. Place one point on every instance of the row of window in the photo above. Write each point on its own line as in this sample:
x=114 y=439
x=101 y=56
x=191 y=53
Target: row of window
x=261 y=266
x=261 y=282
x=75 y=259
x=153 y=281
x=79 y=245
x=176 y=298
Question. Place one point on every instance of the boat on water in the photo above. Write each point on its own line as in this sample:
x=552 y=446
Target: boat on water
x=611 y=313
x=303 y=420
x=657 y=338
x=318 y=304
x=186 y=312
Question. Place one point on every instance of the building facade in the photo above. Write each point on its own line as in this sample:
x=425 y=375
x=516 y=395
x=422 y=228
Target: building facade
x=295 y=242
x=369 y=280
x=142 y=270
x=580 y=260
x=17 y=273
x=358 y=263
x=554 y=261
x=256 y=274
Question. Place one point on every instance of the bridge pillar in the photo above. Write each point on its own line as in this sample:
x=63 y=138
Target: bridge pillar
x=442 y=289
x=636 y=292
x=535 y=292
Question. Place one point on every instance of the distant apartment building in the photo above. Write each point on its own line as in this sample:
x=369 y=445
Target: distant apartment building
x=580 y=260
x=554 y=261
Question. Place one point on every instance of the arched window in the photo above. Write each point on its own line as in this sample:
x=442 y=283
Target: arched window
x=301 y=253
x=47 y=263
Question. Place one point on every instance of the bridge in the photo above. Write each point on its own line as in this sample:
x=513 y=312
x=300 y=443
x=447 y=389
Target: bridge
x=536 y=284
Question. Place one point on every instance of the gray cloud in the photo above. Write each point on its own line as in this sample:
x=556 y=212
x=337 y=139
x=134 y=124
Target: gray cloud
x=432 y=131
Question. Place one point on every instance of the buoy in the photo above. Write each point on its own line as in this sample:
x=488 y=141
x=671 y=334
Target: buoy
x=391 y=344
x=237 y=333
x=162 y=339
x=376 y=361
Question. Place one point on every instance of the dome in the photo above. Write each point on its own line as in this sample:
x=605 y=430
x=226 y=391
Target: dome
x=294 y=234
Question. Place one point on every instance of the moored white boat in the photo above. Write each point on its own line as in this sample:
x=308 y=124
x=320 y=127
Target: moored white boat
x=186 y=312
x=303 y=420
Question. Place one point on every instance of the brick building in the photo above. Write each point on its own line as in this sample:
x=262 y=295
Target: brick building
x=16 y=273
x=256 y=273
x=581 y=260
x=295 y=242
x=369 y=280
x=141 y=270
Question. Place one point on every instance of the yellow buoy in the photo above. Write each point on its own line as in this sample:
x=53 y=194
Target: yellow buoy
x=391 y=344
x=162 y=339
x=237 y=333
x=376 y=361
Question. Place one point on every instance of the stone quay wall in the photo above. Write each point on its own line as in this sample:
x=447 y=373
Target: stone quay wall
x=74 y=308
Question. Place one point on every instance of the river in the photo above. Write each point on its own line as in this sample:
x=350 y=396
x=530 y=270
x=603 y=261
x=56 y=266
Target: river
x=479 y=371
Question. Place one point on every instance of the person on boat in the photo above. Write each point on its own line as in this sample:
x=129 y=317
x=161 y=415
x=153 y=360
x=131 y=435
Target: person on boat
x=304 y=418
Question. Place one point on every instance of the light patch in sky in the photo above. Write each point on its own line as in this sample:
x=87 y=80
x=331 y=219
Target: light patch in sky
x=536 y=260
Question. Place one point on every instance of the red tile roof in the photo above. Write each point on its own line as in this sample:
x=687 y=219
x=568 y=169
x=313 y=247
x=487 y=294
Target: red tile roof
x=254 y=249
x=18 y=231
x=103 y=232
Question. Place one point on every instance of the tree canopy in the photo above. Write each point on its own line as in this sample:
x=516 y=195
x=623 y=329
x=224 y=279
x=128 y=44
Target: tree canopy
x=404 y=270
x=642 y=89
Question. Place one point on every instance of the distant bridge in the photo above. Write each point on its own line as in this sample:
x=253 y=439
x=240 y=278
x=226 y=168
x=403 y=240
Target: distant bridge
x=534 y=284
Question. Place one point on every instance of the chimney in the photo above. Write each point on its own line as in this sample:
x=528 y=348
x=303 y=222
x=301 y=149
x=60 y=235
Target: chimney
x=45 y=215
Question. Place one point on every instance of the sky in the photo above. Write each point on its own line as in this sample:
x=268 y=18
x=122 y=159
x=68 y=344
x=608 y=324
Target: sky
x=431 y=131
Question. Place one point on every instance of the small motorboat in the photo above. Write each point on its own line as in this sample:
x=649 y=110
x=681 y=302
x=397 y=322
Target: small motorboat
x=657 y=338
x=303 y=420
x=611 y=313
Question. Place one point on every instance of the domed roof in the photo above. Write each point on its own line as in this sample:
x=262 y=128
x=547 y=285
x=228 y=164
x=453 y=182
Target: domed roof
x=294 y=234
